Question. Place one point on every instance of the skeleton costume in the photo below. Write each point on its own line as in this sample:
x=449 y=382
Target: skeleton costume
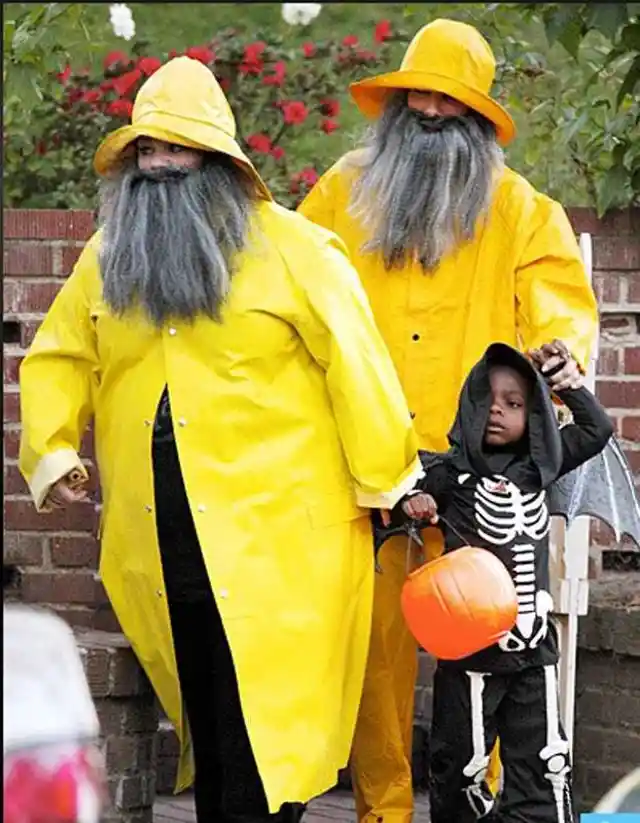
x=496 y=499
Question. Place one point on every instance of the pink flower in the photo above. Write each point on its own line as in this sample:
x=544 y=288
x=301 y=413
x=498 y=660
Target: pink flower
x=294 y=112
x=308 y=49
x=330 y=107
x=201 y=53
x=260 y=143
x=149 y=65
x=382 y=31
x=350 y=40
x=277 y=78
x=328 y=126
x=277 y=152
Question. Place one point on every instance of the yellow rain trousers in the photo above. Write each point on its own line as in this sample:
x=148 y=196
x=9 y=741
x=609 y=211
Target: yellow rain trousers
x=520 y=281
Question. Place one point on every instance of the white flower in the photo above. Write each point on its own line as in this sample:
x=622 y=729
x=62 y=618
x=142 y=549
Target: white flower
x=300 y=14
x=122 y=20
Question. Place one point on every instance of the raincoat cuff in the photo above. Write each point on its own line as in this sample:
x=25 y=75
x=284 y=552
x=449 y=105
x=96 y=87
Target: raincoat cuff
x=387 y=500
x=50 y=469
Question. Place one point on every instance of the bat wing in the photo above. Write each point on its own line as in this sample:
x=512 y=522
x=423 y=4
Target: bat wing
x=603 y=488
x=398 y=523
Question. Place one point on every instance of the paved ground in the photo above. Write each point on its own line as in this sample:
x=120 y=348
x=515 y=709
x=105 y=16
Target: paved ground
x=337 y=806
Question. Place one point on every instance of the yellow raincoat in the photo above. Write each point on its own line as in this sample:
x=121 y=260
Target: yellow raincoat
x=520 y=281
x=289 y=414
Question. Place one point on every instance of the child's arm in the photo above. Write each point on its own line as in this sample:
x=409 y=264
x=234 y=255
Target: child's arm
x=429 y=495
x=590 y=431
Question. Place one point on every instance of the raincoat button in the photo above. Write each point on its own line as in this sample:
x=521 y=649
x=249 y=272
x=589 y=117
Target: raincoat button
x=147 y=422
x=159 y=592
x=172 y=332
x=147 y=508
x=412 y=415
x=202 y=508
x=182 y=422
x=224 y=593
x=415 y=337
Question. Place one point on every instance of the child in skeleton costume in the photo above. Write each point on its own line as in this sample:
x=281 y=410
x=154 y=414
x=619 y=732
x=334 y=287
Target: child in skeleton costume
x=490 y=488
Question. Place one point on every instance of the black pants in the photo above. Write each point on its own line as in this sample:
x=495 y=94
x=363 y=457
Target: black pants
x=470 y=710
x=228 y=787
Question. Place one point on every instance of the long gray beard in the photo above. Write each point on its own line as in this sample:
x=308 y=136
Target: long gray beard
x=171 y=238
x=424 y=183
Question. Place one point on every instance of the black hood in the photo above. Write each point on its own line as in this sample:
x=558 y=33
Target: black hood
x=538 y=458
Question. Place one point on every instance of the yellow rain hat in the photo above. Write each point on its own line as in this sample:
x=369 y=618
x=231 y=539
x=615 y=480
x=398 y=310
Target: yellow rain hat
x=180 y=103
x=449 y=57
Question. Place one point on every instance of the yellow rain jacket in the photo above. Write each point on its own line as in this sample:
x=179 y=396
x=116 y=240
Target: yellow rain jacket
x=289 y=415
x=520 y=281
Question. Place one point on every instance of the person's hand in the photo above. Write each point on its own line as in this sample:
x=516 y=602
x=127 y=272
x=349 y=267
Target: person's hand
x=421 y=507
x=552 y=355
x=63 y=493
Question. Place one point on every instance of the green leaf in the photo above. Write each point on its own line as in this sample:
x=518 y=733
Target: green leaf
x=611 y=189
x=607 y=18
x=630 y=37
x=575 y=127
x=630 y=81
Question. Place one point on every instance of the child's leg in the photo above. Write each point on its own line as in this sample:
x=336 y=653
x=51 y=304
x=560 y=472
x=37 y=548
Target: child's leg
x=463 y=733
x=534 y=750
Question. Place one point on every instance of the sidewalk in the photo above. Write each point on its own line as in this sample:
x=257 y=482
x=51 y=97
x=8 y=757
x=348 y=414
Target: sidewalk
x=337 y=806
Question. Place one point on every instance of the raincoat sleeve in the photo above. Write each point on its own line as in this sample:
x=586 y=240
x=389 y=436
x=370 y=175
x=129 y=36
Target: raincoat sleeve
x=335 y=322
x=56 y=384
x=320 y=204
x=554 y=299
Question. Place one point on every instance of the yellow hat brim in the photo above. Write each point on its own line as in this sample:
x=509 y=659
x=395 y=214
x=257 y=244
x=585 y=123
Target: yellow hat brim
x=371 y=95
x=113 y=149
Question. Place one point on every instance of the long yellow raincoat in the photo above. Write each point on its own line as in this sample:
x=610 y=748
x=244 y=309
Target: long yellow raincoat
x=290 y=418
x=520 y=281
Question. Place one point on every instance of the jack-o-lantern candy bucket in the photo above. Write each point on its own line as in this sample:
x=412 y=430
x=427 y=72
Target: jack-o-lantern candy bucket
x=460 y=603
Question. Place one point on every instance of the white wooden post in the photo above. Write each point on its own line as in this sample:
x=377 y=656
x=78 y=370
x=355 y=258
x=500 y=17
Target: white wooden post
x=569 y=567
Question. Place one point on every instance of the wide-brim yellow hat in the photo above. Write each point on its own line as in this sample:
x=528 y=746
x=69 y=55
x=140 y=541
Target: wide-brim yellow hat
x=181 y=103
x=448 y=57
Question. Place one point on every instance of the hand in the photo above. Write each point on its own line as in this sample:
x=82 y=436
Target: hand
x=421 y=507
x=551 y=355
x=63 y=493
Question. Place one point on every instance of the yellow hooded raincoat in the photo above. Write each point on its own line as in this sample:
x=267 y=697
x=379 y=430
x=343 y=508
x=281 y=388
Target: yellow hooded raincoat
x=290 y=417
x=520 y=281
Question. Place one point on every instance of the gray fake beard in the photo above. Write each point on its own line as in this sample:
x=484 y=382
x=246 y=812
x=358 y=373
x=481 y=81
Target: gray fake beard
x=171 y=238
x=424 y=183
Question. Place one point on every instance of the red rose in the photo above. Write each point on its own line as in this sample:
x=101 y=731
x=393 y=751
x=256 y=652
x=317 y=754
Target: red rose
x=277 y=152
x=350 y=40
x=328 y=126
x=295 y=112
x=149 y=65
x=260 y=143
x=114 y=57
x=63 y=76
x=308 y=49
x=330 y=107
x=120 y=108
x=383 y=31
x=201 y=53
x=126 y=82
x=277 y=78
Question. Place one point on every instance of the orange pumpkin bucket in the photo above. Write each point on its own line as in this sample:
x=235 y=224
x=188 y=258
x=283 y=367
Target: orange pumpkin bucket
x=460 y=603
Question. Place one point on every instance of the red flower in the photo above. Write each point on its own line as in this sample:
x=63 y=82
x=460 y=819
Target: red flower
x=225 y=83
x=41 y=148
x=330 y=107
x=277 y=78
x=328 y=126
x=173 y=53
x=114 y=57
x=350 y=40
x=63 y=76
x=252 y=61
x=91 y=97
x=383 y=31
x=201 y=53
x=308 y=176
x=149 y=65
x=308 y=49
x=260 y=143
x=295 y=112
x=106 y=85
x=126 y=82
x=366 y=54
x=120 y=108
x=277 y=152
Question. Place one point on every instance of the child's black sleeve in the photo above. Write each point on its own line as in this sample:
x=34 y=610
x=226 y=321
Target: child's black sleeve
x=436 y=482
x=590 y=431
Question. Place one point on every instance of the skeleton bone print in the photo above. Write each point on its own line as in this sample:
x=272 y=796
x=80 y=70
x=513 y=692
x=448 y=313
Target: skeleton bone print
x=516 y=522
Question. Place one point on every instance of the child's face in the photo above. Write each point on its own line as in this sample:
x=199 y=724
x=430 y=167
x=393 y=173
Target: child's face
x=508 y=413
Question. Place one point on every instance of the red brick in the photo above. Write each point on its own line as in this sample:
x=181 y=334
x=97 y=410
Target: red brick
x=11 y=440
x=48 y=224
x=620 y=253
x=11 y=407
x=21 y=515
x=76 y=616
x=11 y=367
x=633 y=294
x=29 y=297
x=632 y=360
x=617 y=324
x=608 y=361
x=28 y=260
x=28 y=329
x=606 y=285
x=105 y=620
x=615 y=394
x=14 y=483
x=74 y=551
x=633 y=456
x=23 y=549
x=60 y=587
x=630 y=428
x=614 y=223
x=70 y=255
